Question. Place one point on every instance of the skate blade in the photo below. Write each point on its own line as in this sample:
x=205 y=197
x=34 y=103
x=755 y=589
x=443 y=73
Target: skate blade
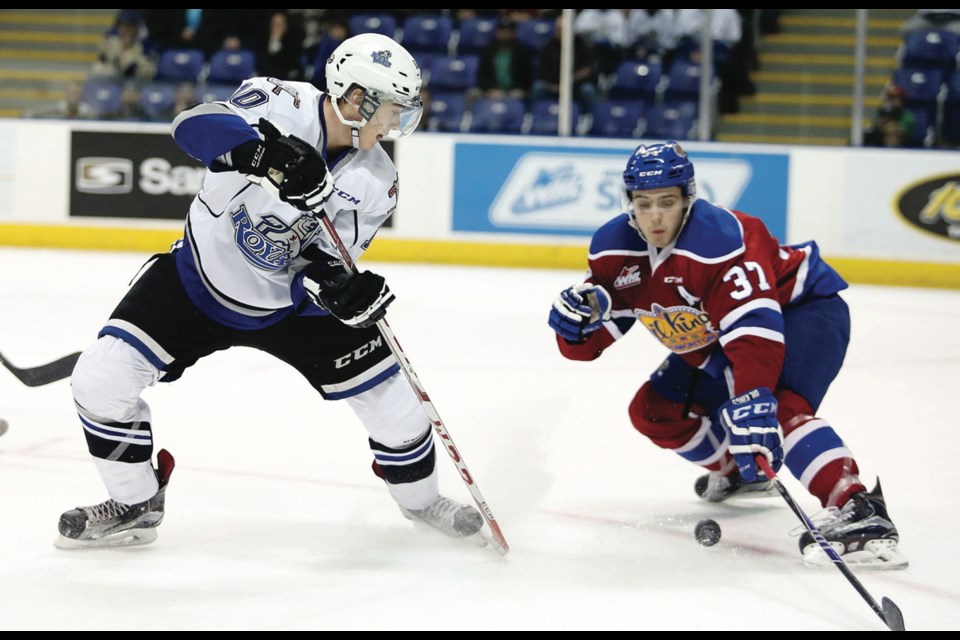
x=876 y=554
x=131 y=538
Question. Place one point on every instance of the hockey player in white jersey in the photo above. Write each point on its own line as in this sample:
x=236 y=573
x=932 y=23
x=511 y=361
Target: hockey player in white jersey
x=254 y=269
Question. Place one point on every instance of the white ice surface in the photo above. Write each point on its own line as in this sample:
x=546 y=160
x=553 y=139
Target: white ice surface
x=275 y=521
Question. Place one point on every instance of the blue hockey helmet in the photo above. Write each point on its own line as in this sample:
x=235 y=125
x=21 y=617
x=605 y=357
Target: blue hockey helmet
x=657 y=166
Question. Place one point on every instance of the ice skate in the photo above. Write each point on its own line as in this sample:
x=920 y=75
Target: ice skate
x=861 y=533
x=449 y=517
x=716 y=487
x=112 y=524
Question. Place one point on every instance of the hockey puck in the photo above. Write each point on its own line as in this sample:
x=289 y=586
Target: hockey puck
x=707 y=532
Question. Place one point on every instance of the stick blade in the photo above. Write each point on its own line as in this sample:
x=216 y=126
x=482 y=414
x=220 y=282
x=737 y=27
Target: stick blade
x=892 y=615
x=44 y=374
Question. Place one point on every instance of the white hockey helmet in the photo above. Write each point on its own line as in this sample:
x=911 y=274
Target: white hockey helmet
x=385 y=71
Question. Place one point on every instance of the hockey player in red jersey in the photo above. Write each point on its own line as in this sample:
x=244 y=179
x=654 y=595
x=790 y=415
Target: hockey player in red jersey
x=757 y=330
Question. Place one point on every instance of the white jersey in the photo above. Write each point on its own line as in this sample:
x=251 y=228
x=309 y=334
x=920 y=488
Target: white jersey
x=242 y=247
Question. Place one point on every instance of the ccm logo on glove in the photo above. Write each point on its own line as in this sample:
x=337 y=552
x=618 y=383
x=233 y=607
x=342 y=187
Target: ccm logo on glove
x=758 y=409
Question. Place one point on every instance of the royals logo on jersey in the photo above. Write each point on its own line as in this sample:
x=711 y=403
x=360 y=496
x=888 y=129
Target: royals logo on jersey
x=271 y=244
x=680 y=329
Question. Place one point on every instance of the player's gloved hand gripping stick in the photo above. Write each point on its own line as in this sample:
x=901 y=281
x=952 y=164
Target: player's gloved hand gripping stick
x=275 y=185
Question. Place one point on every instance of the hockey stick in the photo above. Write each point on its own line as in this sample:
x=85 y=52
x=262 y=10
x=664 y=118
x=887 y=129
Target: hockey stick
x=499 y=542
x=889 y=612
x=45 y=373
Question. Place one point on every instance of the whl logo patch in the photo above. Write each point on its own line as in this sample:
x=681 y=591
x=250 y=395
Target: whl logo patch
x=629 y=277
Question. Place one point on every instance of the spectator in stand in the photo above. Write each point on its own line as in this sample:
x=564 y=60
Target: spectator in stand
x=233 y=30
x=282 y=55
x=895 y=97
x=519 y=15
x=727 y=32
x=337 y=31
x=948 y=19
x=72 y=106
x=121 y=54
x=547 y=83
x=886 y=130
x=130 y=109
x=172 y=28
x=185 y=97
x=459 y=15
x=617 y=35
x=894 y=125
x=506 y=66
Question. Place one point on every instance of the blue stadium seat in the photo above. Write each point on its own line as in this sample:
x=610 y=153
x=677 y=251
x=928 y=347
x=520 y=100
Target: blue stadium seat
x=637 y=80
x=447 y=109
x=498 y=115
x=180 y=65
x=103 y=95
x=950 y=128
x=475 y=34
x=213 y=92
x=921 y=85
x=157 y=99
x=930 y=49
x=669 y=122
x=448 y=73
x=545 y=117
x=683 y=81
x=231 y=67
x=427 y=33
x=382 y=23
x=924 y=90
x=617 y=118
x=535 y=33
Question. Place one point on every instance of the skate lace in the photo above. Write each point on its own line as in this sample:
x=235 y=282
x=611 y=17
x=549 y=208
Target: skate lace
x=827 y=519
x=441 y=508
x=106 y=510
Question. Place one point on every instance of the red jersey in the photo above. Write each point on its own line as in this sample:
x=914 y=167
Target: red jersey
x=714 y=296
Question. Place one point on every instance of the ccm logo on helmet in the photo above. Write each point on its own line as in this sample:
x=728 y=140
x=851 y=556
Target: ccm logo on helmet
x=642 y=174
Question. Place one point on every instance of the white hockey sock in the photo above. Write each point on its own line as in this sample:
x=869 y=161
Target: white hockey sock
x=416 y=495
x=128 y=482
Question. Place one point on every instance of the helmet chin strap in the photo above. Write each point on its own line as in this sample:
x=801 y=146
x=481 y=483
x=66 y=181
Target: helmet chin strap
x=353 y=124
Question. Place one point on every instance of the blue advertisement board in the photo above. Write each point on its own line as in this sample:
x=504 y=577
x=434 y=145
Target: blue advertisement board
x=572 y=191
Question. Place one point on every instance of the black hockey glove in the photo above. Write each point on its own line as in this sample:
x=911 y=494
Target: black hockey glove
x=357 y=300
x=294 y=166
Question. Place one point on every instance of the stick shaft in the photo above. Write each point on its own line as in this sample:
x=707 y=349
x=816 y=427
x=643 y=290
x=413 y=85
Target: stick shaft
x=439 y=428
x=822 y=541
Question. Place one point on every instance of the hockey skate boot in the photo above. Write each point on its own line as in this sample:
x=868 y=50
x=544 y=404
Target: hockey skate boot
x=112 y=524
x=861 y=533
x=448 y=516
x=716 y=487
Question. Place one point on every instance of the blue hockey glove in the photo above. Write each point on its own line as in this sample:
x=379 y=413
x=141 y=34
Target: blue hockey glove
x=752 y=421
x=580 y=310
